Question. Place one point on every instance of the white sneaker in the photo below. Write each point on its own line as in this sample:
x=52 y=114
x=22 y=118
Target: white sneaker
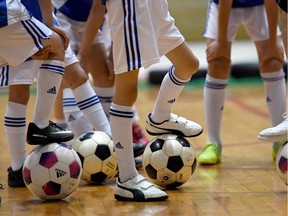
x=138 y=189
x=276 y=133
x=175 y=125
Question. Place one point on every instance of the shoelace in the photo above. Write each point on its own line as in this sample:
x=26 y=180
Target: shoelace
x=1 y=187
x=55 y=125
x=285 y=115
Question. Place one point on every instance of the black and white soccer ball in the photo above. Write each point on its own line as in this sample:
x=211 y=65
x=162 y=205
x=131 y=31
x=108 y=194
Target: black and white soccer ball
x=98 y=157
x=52 y=171
x=169 y=160
x=282 y=163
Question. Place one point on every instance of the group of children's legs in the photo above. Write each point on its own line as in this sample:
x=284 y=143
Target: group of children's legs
x=109 y=107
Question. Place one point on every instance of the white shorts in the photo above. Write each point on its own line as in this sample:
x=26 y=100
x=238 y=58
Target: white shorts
x=27 y=72
x=141 y=33
x=75 y=30
x=70 y=57
x=254 y=20
x=21 y=40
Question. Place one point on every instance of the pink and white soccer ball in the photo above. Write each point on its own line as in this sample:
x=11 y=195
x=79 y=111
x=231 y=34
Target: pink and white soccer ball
x=52 y=171
x=282 y=163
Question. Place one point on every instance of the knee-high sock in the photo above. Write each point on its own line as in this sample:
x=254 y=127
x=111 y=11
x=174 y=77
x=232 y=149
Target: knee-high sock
x=48 y=83
x=105 y=96
x=91 y=107
x=15 y=128
x=275 y=89
x=169 y=92
x=74 y=117
x=214 y=98
x=121 y=118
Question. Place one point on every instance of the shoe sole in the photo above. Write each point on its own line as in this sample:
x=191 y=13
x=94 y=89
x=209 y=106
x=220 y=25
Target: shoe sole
x=47 y=141
x=120 y=198
x=16 y=184
x=273 y=138
x=176 y=132
x=209 y=162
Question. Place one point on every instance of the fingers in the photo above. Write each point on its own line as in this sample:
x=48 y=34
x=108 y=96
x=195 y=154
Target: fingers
x=43 y=54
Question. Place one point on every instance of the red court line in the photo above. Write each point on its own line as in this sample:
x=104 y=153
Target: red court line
x=248 y=107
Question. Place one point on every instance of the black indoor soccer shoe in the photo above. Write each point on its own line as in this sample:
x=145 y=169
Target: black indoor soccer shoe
x=15 y=178
x=1 y=188
x=138 y=149
x=51 y=133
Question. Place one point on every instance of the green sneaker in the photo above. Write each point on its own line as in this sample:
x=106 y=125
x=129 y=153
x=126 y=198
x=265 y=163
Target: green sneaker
x=210 y=154
x=275 y=148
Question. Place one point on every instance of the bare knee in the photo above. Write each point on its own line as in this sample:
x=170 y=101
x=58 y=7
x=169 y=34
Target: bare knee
x=19 y=94
x=56 y=44
x=219 y=68
x=74 y=76
x=270 y=65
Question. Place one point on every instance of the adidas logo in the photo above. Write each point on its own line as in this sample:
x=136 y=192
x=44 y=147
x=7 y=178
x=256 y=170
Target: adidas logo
x=52 y=90
x=60 y=173
x=171 y=101
x=71 y=118
x=119 y=146
x=268 y=99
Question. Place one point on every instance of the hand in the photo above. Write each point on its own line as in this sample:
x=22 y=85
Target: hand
x=43 y=54
x=63 y=34
x=217 y=50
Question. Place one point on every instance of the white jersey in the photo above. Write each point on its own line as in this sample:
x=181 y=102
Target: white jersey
x=12 y=11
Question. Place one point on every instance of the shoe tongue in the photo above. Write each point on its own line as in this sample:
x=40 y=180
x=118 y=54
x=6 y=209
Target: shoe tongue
x=142 y=181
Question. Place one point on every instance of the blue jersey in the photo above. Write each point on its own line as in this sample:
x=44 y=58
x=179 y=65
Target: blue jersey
x=33 y=7
x=74 y=9
x=244 y=3
x=12 y=11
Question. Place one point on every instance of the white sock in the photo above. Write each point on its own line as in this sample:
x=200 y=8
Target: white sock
x=90 y=105
x=105 y=96
x=48 y=83
x=136 y=115
x=275 y=89
x=169 y=92
x=214 y=98
x=75 y=119
x=15 y=128
x=121 y=118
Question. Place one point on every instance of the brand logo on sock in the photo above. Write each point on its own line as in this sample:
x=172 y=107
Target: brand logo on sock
x=60 y=173
x=171 y=101
x=119 y=146
x=268 y=99
x=52 y=90
x=71 y=118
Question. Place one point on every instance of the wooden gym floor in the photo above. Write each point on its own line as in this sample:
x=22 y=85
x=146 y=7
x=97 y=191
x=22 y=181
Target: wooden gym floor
x=245 y=183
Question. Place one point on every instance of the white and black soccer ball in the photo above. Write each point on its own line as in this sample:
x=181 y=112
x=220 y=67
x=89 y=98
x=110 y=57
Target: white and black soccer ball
x=282 y=163
x=169 y=160
x=52 y=171
x=98 y=157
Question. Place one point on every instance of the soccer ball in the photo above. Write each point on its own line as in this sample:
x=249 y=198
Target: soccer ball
x=52 y=171
x=282 y=162
x=98 y=157
x=169 y=160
